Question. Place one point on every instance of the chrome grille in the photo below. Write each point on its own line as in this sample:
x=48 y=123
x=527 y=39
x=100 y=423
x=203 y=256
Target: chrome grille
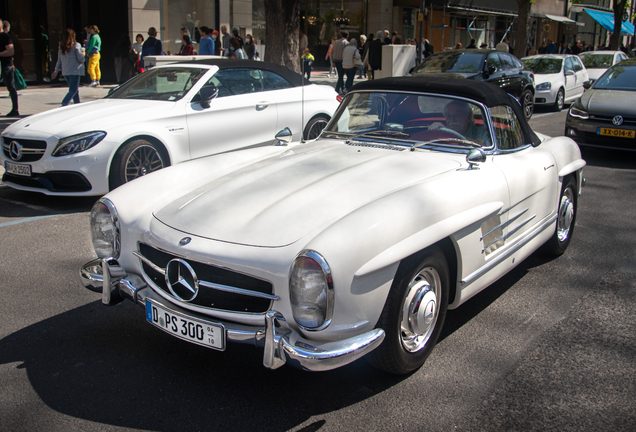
x=31 y=151
x=219 y=288
x=608 y=118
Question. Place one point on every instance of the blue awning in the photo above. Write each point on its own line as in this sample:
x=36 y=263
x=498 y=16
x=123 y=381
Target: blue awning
x=606 y=19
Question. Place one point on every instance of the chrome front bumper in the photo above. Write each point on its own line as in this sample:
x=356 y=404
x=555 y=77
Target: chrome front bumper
x=274 y=337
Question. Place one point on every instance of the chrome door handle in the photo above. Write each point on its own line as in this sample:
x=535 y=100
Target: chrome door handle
x=261 y=106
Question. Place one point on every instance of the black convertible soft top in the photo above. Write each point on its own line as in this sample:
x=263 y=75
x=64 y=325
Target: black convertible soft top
x=294 y=78
x=486 y=93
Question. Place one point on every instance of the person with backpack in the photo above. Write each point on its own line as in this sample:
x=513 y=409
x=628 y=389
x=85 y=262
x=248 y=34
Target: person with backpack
x=151 y=47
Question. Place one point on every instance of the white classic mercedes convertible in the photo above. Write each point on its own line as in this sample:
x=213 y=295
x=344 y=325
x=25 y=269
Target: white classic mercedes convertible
x=165 y=116
x=417 y=195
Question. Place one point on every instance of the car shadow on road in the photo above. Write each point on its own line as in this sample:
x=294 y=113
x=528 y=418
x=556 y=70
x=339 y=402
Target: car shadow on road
x=107 y=365
x=18 y=204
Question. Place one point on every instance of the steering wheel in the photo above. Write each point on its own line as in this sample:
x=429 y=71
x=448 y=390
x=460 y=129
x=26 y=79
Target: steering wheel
x=452 y=132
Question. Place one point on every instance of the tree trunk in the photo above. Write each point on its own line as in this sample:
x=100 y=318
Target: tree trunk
x=281 y=34
x=615 y=40
x=521 y=29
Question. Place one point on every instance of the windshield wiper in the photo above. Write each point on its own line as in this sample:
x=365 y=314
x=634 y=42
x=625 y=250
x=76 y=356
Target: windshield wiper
x=384 y=134
x=442 y=142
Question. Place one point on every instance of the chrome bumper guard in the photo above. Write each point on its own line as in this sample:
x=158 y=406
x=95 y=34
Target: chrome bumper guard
x=274 y=337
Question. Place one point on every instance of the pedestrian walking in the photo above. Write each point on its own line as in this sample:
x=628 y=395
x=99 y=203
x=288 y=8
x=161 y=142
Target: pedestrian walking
x=350 y=62
x=138 y=45
x=151 y=47
x=332 y=67
x=362 y=49
x=70 y=61
x=206 y=43
x=307 y=61
x=94 y=56
x=250 y=47
x=125 y=59
x=336 y=54
x=375 y=53
x=186 y=49
x=225 y=41
x=6 y=61
x=235 y=50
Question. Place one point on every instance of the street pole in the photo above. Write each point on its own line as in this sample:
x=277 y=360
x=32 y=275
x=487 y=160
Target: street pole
x=420 y=42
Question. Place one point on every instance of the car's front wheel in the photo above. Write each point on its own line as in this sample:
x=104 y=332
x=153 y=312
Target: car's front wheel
x=135 y=159
x=560 y=100
x=315 y=127
x=566 y=218
x=414 y=313
x=527 y=103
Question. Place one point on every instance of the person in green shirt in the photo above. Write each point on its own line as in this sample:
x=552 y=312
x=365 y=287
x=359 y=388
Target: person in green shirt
x=93 y=52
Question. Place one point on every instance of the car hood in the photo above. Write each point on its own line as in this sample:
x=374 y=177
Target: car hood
x=551 y=78
x=276 y=201
x=101 y=114
x=609 y=102
x=595 y=73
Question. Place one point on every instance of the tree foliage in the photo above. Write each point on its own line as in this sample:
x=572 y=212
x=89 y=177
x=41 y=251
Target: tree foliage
x=281 y=35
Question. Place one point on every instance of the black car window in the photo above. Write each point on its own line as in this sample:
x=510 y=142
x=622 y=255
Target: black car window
x=542 y=66
x=568 y=64
x=273 y=81
x=236 y=81
x=460 y=62
x=508 y=129
x=517 y=62
x=577 y=64
x=493 y=61
x=618 y=77
x=506 y=61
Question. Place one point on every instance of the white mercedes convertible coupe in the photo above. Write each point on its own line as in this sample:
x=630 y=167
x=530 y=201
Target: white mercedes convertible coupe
x=418 y=194
x=165 y=116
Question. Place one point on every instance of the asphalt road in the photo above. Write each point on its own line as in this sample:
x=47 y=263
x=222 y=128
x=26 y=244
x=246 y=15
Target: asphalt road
x=548 y=347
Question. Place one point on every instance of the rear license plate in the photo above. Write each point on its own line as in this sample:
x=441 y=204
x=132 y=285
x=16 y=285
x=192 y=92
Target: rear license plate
x=18 y=169
x=200 y=332
x=618 y=133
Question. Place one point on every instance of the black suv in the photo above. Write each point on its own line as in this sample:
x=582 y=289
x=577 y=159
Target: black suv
x=496 y=67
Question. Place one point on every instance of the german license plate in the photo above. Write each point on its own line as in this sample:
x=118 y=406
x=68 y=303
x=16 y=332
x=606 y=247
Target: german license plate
x=17 y=169
x=200 y=332
x=618 y=133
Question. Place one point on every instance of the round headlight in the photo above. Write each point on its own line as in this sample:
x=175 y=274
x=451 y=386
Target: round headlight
x=105 y=229
x=311 y=291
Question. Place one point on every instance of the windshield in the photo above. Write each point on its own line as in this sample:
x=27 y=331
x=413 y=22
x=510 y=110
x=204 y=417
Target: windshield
x=409 y=118
x=453 y=62
x=543 y=66
x=164 y=84
x=597 y=61
x=618 y=77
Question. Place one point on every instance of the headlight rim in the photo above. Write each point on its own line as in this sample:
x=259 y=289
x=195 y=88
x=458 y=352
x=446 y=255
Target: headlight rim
x=584 y=116
x=63 y=142
x=326 y=269
x=114 y=216
x=544 y=86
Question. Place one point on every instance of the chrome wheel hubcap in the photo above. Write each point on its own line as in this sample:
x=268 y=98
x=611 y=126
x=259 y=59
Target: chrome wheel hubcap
x=566 y=215
x=420 y=310
x=560 y=100
x=143 y=160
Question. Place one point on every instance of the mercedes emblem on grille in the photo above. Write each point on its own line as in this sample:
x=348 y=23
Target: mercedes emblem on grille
x=618 y=120
x=184 y=241
x=182 y=281
x=15 y=150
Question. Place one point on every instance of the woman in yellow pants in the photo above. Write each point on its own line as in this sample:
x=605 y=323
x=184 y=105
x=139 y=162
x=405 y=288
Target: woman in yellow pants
x=94 y=48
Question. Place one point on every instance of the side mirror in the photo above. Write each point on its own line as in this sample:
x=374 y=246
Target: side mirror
x=569 y=72
x=284 y=137
x=208 y=93
x=474 y=157
x=588 y=84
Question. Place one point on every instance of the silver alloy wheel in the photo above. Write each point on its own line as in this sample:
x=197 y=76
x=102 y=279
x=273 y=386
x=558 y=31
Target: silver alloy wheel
x=143 y=160
x=560 y=100
x=528 y=102
x=420 y=309
x=316 y=128
x=566 y=214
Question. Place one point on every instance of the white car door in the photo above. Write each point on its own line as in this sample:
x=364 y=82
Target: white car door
x=242 y=115
x=571 y=90
x=531 y=174
x=580 y=73
x=288 y=102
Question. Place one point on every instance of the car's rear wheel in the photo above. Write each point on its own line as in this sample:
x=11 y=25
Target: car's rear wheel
x=315 y=127
x=527 y=103
x=414 y=313
x=566 y=218
x=560 y=100
x=135 y=159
